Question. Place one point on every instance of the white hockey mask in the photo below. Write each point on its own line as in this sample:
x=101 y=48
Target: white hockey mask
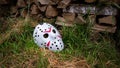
x=46 y=35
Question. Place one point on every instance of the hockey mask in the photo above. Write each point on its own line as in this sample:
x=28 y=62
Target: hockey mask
x=46 y=35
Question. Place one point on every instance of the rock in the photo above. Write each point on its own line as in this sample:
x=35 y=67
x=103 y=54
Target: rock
x=21 y=3
x=56 y=1
x=44 y=2
x=110 y=20
x=62 y=22
x=108 y=1
x=102 y=28
x=90 y=1
x=34 y=9
x=43 y=8
x=63 y=3
x=13 y=9
x=49 y=2
x=116 y=1
x=69 y=16
x=51 y=12
x=77 y=8
x=79 y=19
x=66 y=20
x=3 y=2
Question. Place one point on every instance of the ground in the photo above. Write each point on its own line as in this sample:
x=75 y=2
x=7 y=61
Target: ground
x=17 y=48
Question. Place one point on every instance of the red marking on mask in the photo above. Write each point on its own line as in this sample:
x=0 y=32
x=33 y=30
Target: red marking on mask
x=48 y=44
x=48 y=30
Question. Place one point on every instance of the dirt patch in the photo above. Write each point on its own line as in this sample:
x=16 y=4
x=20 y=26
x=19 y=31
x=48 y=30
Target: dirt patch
x=56 y=62
x=74 y=63
x=22 y=60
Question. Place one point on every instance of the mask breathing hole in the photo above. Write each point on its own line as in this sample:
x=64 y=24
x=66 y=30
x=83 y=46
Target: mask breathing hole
x=45 y=35
x=53 y=31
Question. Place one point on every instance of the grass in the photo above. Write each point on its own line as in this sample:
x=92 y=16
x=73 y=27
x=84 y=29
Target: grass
x=96 y=53
x=19 y=50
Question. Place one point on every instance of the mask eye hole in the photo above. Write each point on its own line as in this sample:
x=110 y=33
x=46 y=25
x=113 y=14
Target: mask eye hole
x=53 y=31
x=45 y=35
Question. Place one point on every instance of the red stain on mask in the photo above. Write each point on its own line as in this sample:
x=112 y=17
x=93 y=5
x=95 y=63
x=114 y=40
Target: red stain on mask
x=48 y=44
x=48 y=30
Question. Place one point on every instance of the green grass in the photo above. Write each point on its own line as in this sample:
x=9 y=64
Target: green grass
x=21 y=51
x=77 y=40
